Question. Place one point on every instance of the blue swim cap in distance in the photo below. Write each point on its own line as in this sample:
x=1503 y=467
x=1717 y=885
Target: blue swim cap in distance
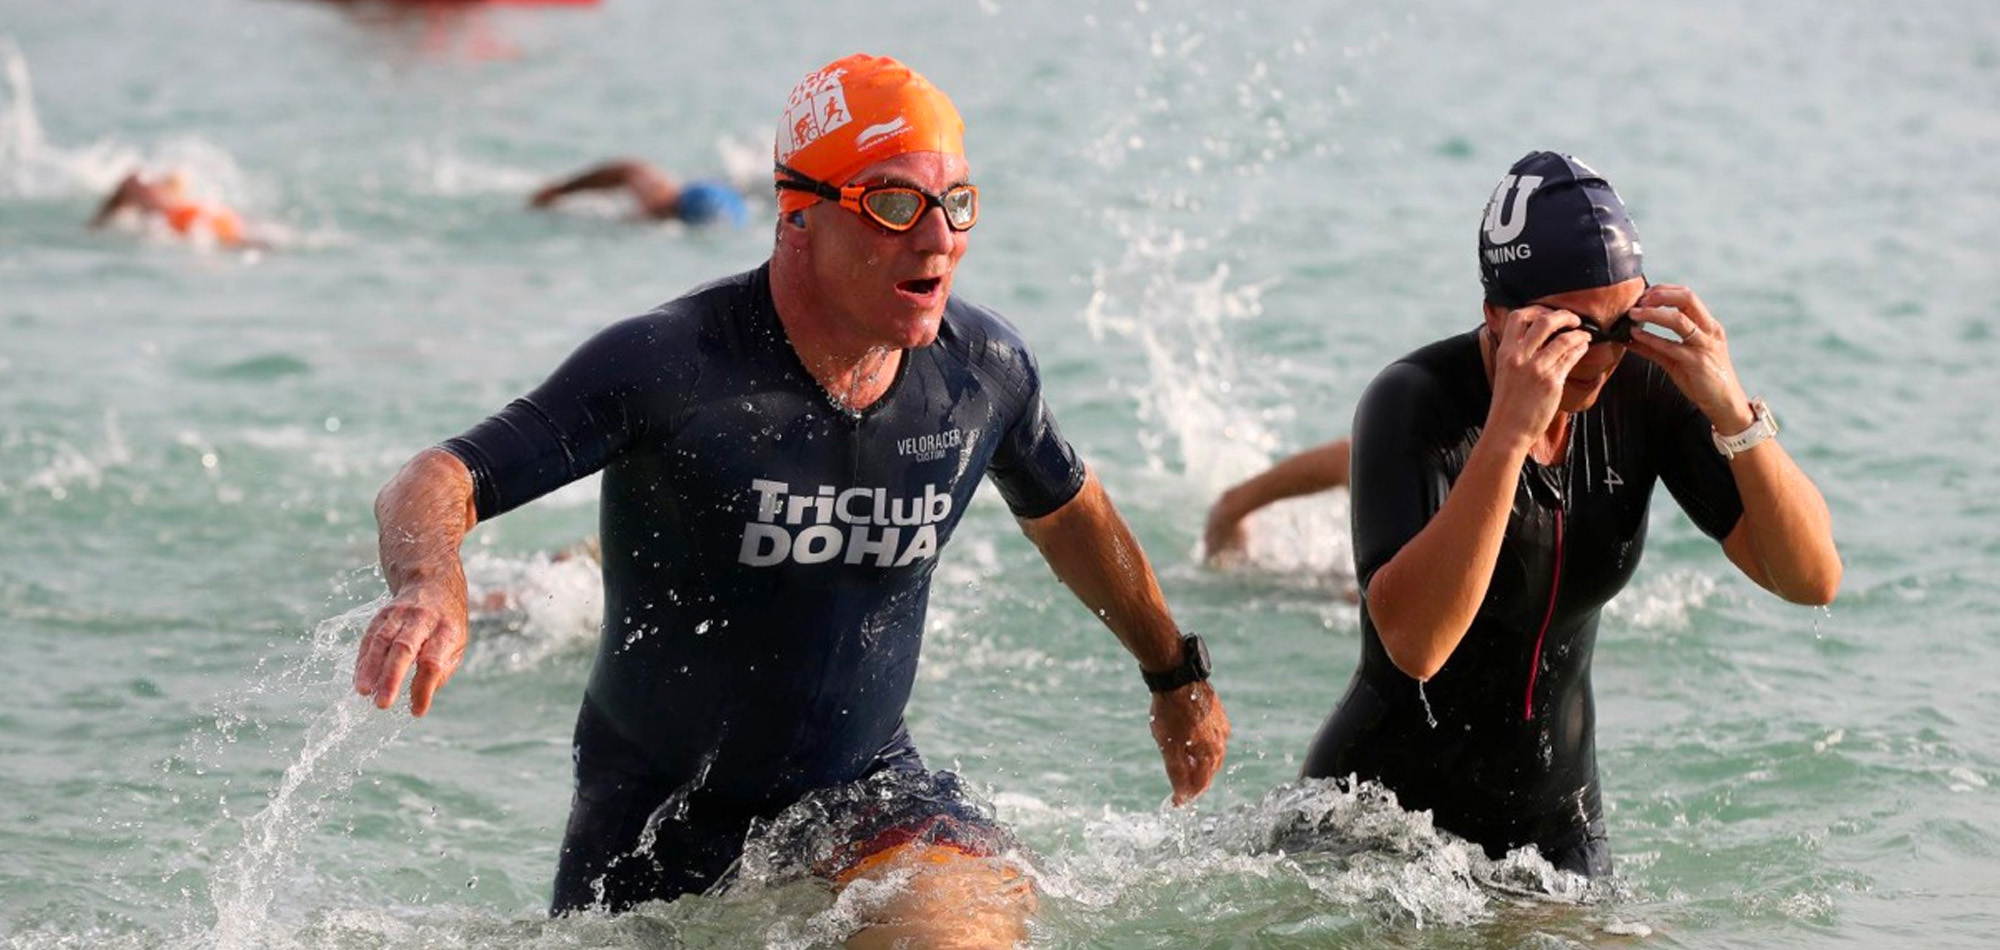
x=709 y=202
x=1554 y=225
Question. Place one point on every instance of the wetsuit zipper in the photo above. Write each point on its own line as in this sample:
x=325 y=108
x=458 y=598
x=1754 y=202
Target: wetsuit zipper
x=1555 y=579
x=1555 y=584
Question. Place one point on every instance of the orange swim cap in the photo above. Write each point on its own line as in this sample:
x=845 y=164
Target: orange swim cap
x=220 y=222
x=855 y=112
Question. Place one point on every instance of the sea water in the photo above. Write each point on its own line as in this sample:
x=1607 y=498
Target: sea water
x=1214 y=222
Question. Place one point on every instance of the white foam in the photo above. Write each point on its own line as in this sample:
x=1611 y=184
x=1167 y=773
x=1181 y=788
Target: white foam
x=1663 y=600
x=1355 y=852
x=746 y=163
x=445 y=172
x=537 y=607
x=32 y=166
x=1306 y=537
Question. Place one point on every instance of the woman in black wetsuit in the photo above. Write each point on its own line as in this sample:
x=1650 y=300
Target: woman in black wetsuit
x=1500 y=483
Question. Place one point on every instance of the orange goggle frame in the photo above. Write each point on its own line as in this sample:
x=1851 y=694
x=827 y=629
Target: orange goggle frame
x=895 y=207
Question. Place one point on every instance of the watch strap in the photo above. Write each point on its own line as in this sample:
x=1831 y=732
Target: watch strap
x=1193 y=667
x=1763 y=425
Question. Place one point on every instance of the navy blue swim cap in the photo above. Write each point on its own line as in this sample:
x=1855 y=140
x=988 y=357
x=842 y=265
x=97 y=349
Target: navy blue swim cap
x=1554 y=225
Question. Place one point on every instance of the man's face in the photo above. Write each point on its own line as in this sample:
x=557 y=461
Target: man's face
x=1601 y=307
x=881 y=287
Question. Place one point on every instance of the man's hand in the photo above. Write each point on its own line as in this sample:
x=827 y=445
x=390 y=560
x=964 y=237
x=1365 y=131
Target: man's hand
x=424 y=625
x=424 y=513
x=1192 y=732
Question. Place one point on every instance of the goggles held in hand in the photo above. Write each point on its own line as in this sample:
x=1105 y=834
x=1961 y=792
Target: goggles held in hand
x=1620 y=330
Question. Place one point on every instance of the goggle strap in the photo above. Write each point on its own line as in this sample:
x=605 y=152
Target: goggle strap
x=800 y=181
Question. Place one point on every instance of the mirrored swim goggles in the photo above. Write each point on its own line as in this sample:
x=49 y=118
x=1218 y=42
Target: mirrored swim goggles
x=895 y=207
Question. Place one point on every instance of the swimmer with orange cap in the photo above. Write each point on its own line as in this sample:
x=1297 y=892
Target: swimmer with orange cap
x=785 y=454
x=168 y=198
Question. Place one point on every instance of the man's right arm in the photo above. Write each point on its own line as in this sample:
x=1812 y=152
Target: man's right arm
x=424 y=513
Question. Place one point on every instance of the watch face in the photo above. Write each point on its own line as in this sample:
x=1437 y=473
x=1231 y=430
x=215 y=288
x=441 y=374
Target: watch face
x=1197 y=654
x=1193 y=667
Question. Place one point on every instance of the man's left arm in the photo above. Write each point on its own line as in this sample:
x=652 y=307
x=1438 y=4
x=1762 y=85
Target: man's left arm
x=1093 y=552
x=1784 y=539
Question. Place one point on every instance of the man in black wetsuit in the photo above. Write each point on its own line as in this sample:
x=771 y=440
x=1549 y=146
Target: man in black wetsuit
x=785 y=452
x=1500 y=482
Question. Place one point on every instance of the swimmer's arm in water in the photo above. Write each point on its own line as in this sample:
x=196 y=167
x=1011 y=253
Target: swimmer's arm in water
x=424 y=513
x=1425 y=596
x=1093 y=552
x=1784 y=540
x=1318 y=469
x=652 y=188
x=132 y=192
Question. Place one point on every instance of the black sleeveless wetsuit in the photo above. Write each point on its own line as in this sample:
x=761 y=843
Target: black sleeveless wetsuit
x=1510 y=758
x=767 y=558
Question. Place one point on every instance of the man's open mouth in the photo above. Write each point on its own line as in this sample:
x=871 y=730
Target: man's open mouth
x=922 y=287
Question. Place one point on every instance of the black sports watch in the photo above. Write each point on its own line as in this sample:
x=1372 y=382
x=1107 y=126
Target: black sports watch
x=1193 y=668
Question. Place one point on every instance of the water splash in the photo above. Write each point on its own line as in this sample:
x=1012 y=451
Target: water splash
x=1315 y=855
x=70 y=467
x=1198 y=416
x=21 y=136
x=1181 y=328
x=32 y=166
x=339 y=742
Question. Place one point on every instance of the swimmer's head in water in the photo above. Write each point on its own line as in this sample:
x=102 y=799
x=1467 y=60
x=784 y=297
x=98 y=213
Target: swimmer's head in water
x=1554 y=225
x=854 y=112
x=176 y=185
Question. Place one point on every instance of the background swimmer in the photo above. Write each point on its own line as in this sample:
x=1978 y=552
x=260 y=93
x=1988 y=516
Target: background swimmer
x=170 y=200
x=657 y=195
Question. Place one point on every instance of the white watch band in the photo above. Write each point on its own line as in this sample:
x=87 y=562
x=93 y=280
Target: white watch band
x=1763 y=426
